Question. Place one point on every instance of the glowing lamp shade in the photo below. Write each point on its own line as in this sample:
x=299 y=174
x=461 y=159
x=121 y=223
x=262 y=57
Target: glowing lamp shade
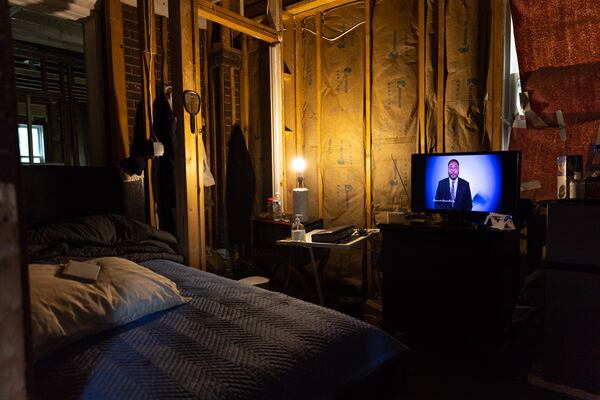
x=300 y=194
x=299 y=164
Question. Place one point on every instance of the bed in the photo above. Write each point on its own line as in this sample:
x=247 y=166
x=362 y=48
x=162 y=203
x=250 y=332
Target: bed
x=225 y=341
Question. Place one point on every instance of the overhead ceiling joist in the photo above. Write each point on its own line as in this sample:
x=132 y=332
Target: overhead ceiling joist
x=313 y=5
x=232 y=20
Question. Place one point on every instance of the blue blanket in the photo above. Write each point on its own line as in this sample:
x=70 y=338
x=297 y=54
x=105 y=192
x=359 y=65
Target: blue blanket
x=230 y=342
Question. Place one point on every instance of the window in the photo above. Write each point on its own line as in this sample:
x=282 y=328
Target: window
x=513 y=113
x=31 y=144
x=51 y=86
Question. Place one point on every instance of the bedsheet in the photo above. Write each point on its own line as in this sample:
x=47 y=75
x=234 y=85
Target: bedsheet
x=230 y=342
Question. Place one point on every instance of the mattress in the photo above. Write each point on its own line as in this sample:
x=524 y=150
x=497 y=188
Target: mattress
x=230 y=342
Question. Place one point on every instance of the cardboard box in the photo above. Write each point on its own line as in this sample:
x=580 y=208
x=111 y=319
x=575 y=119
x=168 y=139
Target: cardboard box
x=565 y=173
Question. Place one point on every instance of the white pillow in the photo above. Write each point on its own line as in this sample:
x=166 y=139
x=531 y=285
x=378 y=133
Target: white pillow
x=64 y=310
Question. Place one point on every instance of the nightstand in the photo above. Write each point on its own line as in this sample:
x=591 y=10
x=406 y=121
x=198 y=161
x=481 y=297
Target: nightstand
x=275 y=260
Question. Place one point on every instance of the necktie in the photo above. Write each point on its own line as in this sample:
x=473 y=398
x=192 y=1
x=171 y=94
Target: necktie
x=452 y=192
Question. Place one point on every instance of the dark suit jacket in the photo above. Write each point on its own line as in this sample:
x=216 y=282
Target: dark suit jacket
x=462 y=200
x=241 y=186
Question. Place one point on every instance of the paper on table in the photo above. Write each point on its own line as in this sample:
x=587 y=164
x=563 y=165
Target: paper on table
x=499 y=221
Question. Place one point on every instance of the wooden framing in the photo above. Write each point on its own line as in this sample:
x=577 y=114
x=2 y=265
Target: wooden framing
x=164 y=21
x=319 y=84
x=304 y=6
x=147 y=46
x=368 y=269
x=116 y=80
x=298 y=86
x=283 y=194
x=245 y=89
x=422 y=142
x=208 y=146
x=498 y=36
x=199 y=186
x=277 y=127
x=276 y=95
x=15 y=331
x=321 y=8
x=368 y=138
x=97 y=139
x=233 y=103
x=441 y=77
x=237 y=22
x=184 y=40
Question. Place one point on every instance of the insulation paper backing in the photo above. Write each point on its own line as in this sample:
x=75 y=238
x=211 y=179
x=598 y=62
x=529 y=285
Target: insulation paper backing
x=466 y=55
x=342 y=127
x=394 y=103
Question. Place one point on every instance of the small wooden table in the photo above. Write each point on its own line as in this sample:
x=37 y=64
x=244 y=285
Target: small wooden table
x=353 y=242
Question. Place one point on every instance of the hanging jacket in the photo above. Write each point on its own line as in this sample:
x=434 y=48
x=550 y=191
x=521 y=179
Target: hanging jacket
x=240 y=188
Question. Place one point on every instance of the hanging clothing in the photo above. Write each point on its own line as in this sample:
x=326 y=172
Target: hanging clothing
x=141 y=148
x=165 y=126
x=240 y=189
x=209 y=179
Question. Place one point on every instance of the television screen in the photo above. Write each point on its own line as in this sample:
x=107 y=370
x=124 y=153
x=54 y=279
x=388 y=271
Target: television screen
x=466 y=182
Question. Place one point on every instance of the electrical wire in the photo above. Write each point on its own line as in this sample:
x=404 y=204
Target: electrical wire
x=333 y=39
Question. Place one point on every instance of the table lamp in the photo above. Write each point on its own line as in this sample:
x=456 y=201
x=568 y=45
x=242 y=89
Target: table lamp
x=300 y=193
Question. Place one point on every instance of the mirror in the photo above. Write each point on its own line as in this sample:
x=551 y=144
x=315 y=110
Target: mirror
x=191 y=103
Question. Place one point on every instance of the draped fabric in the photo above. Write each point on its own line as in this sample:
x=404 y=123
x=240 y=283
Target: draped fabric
x=558 y=47
x=241 y=186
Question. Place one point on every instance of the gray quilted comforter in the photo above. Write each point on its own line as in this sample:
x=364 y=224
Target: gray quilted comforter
x=230 y=342
x=109 y=235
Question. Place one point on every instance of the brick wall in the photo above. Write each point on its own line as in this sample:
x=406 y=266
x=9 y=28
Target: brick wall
x=133 y=73
x=225 y=60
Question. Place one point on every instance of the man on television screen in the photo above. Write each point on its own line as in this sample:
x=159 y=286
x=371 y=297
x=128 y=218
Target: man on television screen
x=453 y=193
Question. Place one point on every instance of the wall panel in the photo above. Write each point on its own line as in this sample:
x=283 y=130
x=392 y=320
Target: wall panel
x=394 y=102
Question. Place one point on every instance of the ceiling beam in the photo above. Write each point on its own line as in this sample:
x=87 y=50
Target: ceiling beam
x=232 y=20
x=309 y=5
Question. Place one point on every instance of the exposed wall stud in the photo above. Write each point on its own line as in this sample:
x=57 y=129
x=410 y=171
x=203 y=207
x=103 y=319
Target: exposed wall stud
x=319 y=84
x=116 y=80
x=368 y=138
x=147 y=46
x=421 y=143
x=441 y=75
x=184 y=41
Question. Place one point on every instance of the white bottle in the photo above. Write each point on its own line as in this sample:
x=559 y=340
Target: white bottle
x=277 y=210
x=298 y=231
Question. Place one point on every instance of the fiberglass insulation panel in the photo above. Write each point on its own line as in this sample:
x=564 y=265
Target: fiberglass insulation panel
x=342 y=126
x=466 y=57
x=394 y=102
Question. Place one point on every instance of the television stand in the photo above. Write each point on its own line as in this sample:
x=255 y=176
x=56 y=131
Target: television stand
x=449 y=286
x=454 y=222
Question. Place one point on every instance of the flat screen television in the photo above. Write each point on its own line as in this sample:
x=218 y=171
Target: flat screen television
x=466 y=183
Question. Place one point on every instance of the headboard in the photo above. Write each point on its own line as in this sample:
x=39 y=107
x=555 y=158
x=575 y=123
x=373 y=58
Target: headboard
x=59 y=193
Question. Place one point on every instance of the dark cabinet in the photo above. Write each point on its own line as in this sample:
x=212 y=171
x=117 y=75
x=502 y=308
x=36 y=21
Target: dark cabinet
x=449 y=285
